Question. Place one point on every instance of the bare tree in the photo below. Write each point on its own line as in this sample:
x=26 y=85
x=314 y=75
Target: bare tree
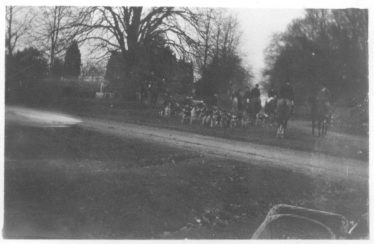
x=206 y=28
x=231 y=35
x=128 y=28
x=18 y=23
x=54 y=30
x=218 y=35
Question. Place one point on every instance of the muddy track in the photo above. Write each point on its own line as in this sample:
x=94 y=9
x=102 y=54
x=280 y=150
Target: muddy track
x=310 y=163
x=306 y=162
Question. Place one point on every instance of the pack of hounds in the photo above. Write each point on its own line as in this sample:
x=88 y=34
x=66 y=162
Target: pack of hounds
x=198 y=112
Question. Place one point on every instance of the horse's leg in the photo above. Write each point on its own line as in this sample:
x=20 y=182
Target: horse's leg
x=278 y=130
x=323 y=127
x=327 y=125
x=276 y=134
x=285 y=127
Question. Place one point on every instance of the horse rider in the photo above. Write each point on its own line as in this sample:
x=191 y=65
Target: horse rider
x=235 y=101
x=246 y=98
x=324 y=97
x=270 y=102
x=286 y=92
x=255 y=93
x=247 y=95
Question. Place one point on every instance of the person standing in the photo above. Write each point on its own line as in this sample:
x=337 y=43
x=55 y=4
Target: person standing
x=255 y=93
x=324 y=97
x=255 y=104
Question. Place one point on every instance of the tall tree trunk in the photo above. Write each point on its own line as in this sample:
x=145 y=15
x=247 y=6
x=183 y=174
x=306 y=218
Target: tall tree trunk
x=207 y=35
x=217 y=42
x=133 y=31
x=9 y=39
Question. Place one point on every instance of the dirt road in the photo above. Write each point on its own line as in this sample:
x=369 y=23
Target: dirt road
x=310 y=163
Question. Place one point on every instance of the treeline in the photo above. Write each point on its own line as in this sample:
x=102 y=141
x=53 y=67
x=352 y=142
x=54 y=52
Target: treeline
x=220 y=65
x=172 y=45
x=156 y=63
x=26 y=70
x=326 y=46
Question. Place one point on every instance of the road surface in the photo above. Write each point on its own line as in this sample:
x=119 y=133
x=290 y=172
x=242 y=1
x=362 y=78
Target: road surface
x=301 y=161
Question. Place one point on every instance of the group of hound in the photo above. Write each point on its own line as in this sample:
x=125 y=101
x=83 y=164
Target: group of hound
x=213 y=116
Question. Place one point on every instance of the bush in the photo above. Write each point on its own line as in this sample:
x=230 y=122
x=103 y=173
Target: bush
x=22 y=71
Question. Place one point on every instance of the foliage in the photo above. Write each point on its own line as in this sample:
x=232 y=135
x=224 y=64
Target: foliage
x=58 y=68
x=223 y=75
x=23 y=71
x=25 y=67
x=154 y=60
x=182 y=80
x=221 y=67
x=147 y=39
x=162 y=40
x=54 y=30
x=115 y=71
x=72 y=60
x=326 y=46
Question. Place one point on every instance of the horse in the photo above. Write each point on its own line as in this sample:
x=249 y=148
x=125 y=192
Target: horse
x=270 y=109
x=321 y=115
x=283 y=114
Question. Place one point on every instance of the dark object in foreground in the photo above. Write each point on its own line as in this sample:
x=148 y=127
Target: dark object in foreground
x=291 y=222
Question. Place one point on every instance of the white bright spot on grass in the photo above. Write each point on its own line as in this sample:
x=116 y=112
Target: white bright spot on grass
x=39 y=118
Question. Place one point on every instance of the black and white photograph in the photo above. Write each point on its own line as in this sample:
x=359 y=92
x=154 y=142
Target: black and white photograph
x=171 y=120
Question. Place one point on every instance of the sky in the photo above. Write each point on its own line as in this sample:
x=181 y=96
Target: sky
x=258 y=26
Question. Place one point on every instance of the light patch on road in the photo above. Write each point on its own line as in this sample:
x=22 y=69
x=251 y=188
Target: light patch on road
x=32 y=117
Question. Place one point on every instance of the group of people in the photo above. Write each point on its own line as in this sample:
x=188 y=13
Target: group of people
x=252 y=96
x=240 y=102
x=320 y=100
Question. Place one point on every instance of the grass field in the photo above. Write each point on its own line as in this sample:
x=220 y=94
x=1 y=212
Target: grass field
x=74 y=183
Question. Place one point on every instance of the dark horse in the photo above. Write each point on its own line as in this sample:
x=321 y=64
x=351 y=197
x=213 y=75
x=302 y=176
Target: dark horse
x=321 y=116
x=283 y=114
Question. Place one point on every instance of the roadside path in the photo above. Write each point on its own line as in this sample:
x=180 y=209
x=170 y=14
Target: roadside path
x=307 y=162
x=301 y=161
